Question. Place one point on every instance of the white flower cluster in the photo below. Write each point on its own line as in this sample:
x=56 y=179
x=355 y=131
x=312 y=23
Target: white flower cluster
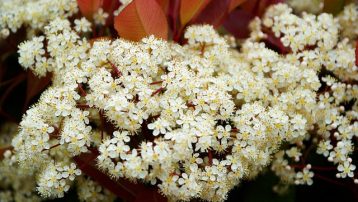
x=34 y=56
x=196 y=119
x=319 y=44
x=34 y=15
x=302 y=32
x=16 y=183
x=348 y=21
x=184 y=118
x=55 y=178
x=54 y=120
x=205 y=132
x=90 y=191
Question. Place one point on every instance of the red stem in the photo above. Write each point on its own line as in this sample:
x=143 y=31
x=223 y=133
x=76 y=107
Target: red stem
x=53 y=146
x=190 y=104
x=156 y=82
x=102 y=122
x=115 y=70
x=320 y=168
x=83 y=106
x=329 y=180
x=157 y=91
x=210 y=156
x=202 y=49
x=306 y=154
x=356 y=53
x=82 y=91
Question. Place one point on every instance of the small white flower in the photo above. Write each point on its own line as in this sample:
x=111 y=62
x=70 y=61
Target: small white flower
x=346 y=169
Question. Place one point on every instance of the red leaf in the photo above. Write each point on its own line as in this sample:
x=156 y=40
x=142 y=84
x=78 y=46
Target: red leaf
x=190 y=9
x=275 y=43
x=141 y=18
x=258 y=7
x=214 y=13
x=164 y=4
x=357 y=53
x=89 y=7
x=109 y=6
x=237 y=23
x=173 y=14
x=250 y=6
x=238 y=20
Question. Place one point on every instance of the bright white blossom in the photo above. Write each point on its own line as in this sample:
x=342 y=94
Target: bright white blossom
x=32 y=14
x=305 y=177
x=194 y=119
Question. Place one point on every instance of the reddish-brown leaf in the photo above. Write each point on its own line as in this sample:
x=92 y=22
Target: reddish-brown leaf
x=276 y=44
x=150 y=195
x=237 y=23
x=234 y=4
x=86 y=161
x=238 y=20
x=35 y=86
x=333 y=6
x=141 y=18
x=214 y=13
x=122 y=188
x=12 y=85
x=190 y=9
x=258 y=7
